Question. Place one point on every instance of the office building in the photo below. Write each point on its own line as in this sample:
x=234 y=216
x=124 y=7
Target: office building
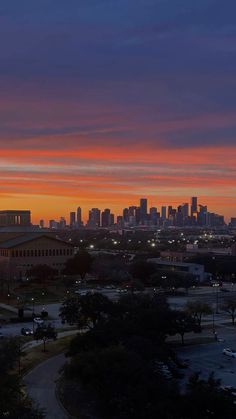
x=163 y=213
x=194 y=207
x=79 y=217
x=106 y=218
x=41 y=223
x=72 y=219
x=143 y=210
x=94 y=218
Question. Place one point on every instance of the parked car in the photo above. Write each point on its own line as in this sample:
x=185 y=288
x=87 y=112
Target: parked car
x=26 y=331
x=38 y=320
x=229 y=352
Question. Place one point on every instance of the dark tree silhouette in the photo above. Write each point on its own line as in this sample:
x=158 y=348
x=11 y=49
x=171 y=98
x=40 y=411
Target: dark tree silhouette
x=229 y=307
x=197 y=309
x=44 y=334
x=80 y=264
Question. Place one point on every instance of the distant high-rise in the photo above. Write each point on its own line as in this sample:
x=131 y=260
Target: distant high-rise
x=194 y=205
x=79 y=217
x=132 y=211
x=72 y=219
x=169 y=211
x=120 y=221
x=143 y=210
x=94 y=217
x=137 y=215
x=126 y=215
x=106 y=218
x=62 y=223
x=163 y=213
x=41 y=223
x=53 y=224
x=185 y=210
x=112 y=220
x=153 y=215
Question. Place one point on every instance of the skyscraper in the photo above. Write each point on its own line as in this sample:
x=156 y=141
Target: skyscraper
x=41 y=223
x=143 y=210
x=126 y=215
x=72 y=219
x=163 y=213
x=79 y=217
x=193 y=206
x=153 y=215
x=106 y=218
x=94 y=217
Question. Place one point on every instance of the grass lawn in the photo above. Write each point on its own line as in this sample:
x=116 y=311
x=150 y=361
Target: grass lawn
x=35 y=356
x=6 y=313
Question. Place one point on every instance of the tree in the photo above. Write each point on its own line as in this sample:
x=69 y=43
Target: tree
x=80 y=264
x=123 y=384
x=110 y=267
x=184 y=323
x=206 y=399
x=85 y=310
x=197 y=309
x=70 y=311
x=229 y=307
x=42 y=272
x=142 y=270
x=44 y=334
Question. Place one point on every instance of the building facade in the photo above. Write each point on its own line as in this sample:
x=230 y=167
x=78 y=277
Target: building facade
x=19 y=255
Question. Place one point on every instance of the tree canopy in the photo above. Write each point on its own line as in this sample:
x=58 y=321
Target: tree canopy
x=80 y=264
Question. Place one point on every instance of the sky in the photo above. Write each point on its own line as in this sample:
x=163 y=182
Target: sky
x=106 y=101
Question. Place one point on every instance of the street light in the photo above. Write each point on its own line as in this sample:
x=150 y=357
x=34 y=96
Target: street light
x=33 y=304
x=33 y=312
x=217 y=297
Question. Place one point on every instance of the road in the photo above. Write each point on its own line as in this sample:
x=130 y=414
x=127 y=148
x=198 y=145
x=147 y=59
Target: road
x=14 y=329
x=206 y=294
x=41 y=384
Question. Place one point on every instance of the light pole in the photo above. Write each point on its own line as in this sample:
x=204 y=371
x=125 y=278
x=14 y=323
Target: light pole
x=33 y=312
x=216 y=286
x=213 y=320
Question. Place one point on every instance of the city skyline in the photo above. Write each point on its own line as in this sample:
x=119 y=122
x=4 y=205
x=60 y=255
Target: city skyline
x=103 y=102
x=186 y=213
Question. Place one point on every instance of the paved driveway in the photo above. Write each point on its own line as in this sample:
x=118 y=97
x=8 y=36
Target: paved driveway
x=41 y=383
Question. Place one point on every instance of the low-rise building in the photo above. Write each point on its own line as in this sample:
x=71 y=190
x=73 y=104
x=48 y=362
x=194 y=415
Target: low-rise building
x=194 y=269
x=20 y=254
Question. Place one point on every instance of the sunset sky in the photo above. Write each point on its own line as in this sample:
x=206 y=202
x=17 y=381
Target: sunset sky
x=106 y=101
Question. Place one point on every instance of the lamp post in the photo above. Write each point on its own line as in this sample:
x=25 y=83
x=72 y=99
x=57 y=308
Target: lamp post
x=213 y=320
x=33 y=312
x=216 y=286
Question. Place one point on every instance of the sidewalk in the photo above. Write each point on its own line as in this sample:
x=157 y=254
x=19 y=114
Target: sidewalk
x=34 y=343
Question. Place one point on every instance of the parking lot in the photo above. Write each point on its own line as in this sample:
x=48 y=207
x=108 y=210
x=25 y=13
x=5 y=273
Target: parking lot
x=207 y=358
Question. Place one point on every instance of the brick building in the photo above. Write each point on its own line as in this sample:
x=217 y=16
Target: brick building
x=20 y=254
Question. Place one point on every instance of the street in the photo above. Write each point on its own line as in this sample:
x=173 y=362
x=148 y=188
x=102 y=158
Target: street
x=41 y=384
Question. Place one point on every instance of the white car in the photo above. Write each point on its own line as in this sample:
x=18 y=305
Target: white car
x=38 y=320
x=229 y=352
